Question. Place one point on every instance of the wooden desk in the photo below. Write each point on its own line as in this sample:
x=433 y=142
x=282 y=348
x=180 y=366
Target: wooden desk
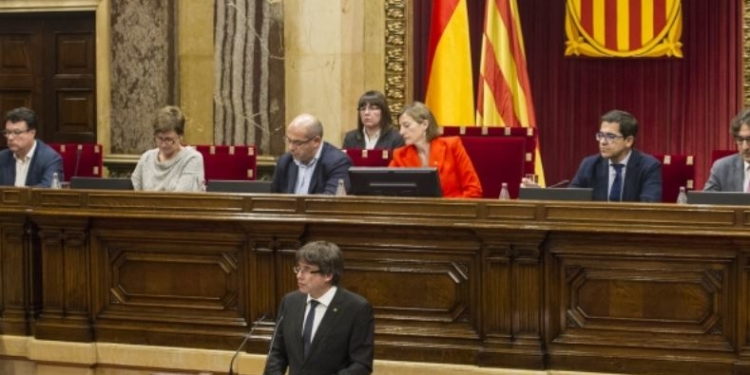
x=588 y=286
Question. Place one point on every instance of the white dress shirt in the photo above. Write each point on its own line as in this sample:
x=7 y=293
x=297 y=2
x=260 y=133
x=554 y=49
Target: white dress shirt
x=22 y=166
x=320 y=310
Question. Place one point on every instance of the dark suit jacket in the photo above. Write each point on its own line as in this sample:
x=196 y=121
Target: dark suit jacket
x=727 y=174
x=642 y=178
x=333 y=165
x=343 y=343
x=44 y=164
x=389 y=140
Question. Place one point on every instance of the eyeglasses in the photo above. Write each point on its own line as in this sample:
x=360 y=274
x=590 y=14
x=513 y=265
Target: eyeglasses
x=14 y=133
x=372 y=108
x=741 y=140
x=600 y=136
x=304 y=270
x=297 y=143
x=166 y=140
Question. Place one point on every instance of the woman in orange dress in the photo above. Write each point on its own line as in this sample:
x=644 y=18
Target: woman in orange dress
x=425 y=148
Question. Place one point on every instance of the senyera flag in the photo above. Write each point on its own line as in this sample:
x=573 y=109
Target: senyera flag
x=504 y=93
x=450 y=93
x=633 y=28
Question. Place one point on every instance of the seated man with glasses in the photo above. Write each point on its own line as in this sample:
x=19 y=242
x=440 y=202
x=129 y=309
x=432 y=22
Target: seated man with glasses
x=27 y=161
x=336 y=326
x=732 y=173
x=619 y=172
x=312 y=166
x=170 y=166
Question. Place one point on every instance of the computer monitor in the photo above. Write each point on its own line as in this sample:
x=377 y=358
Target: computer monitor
x=403 y=182
x=238 y=186
x=98 y=183
x=718 y=197
x=555 y=194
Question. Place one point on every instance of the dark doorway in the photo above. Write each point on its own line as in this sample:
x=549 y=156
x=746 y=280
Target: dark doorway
x=48 y=63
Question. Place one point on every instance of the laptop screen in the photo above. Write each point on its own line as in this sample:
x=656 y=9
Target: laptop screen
x=97 y=183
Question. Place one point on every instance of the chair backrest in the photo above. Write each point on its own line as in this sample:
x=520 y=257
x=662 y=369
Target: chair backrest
x=369 y=158
x=676 y=171
x=499 y=154
x=229 y=162
x=718 y=154
x=80 y=159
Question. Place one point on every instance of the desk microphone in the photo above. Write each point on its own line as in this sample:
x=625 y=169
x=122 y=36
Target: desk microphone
x=247 y=337
x=275 y=329
x=561 y=183
x=78 y=161
x=273 y=338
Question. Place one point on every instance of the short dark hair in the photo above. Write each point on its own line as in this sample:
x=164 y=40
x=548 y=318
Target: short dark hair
x=375 y=99
x=325 y=255
x=628 y=123
x=419 y=112
x=21 y=114
x=169 y=118
x=742 y=118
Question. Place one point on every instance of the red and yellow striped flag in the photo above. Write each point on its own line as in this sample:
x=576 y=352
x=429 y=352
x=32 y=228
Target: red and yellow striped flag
x=450 y=93
x=504 y=92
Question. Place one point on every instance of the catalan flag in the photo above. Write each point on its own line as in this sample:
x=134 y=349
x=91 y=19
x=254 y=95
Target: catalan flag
x=624 y=28
x=450 y=93
x=504 y=91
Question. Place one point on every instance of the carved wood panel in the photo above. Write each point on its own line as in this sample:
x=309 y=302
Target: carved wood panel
x=664 y=297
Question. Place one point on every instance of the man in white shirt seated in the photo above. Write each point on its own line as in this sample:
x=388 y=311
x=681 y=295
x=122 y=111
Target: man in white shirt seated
x=312 y=166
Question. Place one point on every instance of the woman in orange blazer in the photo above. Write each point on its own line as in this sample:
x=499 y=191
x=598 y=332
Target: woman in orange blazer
x=424 y=148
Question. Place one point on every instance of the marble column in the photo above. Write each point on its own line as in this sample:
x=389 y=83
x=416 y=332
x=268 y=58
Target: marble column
x=249 y=74
x=143 y=75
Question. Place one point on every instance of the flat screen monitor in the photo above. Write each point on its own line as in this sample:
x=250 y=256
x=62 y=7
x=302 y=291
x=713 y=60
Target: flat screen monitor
x=718 y=198
x=402 y=182
x=555 y=194
x=238 y=186
x=98 y=183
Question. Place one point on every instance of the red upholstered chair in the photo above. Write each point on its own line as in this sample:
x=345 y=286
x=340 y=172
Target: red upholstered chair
x=676 y=171
x=527 y=134
x=229 y=162
x=369 y=158
x=718 y=154
x=499 y=154
x=80 y=159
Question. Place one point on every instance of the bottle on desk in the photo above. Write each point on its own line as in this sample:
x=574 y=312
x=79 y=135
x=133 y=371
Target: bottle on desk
x=504 y=195
x=682 y=197
x=341 y=188
x=55 y=181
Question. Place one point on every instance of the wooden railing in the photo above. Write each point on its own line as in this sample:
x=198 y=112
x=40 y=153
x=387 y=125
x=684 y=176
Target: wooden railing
x=630 y=288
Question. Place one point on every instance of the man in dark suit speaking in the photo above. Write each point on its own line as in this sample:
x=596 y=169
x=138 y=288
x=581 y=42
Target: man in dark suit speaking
x=322 y=329
x=312 y=166
x=27 y=161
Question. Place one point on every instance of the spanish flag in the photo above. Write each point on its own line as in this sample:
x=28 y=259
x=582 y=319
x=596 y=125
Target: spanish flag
x=504 y=92
x=450 y=93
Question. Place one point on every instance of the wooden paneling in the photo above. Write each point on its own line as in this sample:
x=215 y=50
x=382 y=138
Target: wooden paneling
x=536 y=285
x=47 y=63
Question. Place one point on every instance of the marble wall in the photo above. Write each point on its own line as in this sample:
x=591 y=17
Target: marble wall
x=249 y=74
x=334 y=52
x=143 y=70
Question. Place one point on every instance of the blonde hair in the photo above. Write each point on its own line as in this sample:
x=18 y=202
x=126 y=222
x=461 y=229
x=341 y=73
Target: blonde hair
x=419 y=112
x=169 y=118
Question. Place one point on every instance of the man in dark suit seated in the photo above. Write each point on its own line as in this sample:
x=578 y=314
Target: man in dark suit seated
x=619 y=172
x=732 y=173
x=322 y=328
x=312 y=166
x=27 y=161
